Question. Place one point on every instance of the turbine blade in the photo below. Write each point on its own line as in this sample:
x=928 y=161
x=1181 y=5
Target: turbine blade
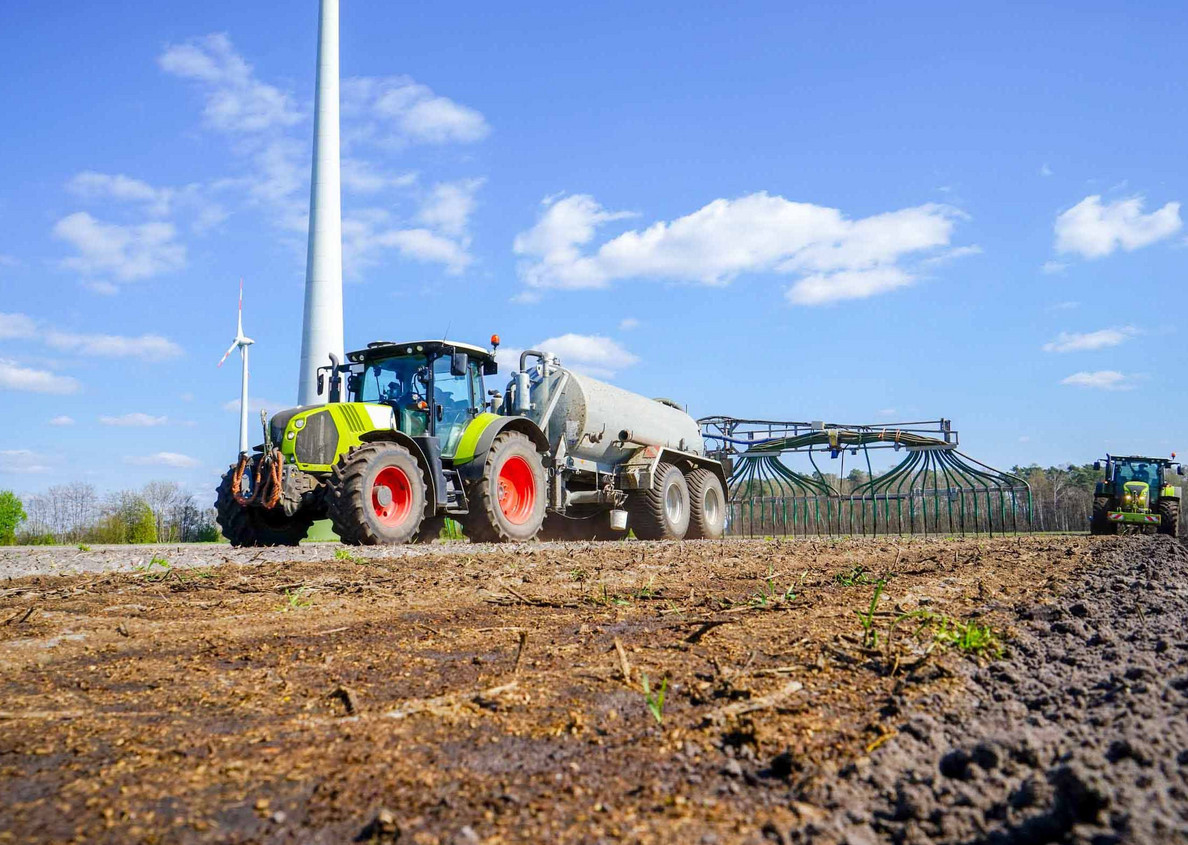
x=229 y=351
x=239 y=333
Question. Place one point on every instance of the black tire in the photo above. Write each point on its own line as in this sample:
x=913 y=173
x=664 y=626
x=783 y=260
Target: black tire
x=661 y=512
x=376 y=495
x=707 y=506
x=1169 y=517
x=507 y=504
x=1099 y=523
x=257 y=526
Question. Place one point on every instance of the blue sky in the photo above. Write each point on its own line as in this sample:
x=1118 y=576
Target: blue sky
x=851 y=212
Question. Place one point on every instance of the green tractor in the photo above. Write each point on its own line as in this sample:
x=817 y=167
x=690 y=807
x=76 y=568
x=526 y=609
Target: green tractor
x=410 y=436
x=1136 y=495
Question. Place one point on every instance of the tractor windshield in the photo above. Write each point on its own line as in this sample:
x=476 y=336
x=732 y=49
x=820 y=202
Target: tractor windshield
x=1143 y=471
x=402 y=382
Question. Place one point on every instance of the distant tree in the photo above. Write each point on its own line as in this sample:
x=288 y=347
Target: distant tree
x=12 y=514
x=142 y=524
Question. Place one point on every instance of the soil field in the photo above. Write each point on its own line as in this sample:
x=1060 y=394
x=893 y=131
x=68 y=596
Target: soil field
x=497 y=694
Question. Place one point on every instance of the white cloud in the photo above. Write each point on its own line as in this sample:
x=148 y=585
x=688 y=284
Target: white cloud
x=256 y=405
x=134 y=420
x=824 y=288
x=1053 y=268
x=397 y=109
x=1094 y=230
x=1101 y=380
x=16 y=326
x=147 y=347
x=22 y=462
x=62 y=420
x=92 y=185
x=1088 y=341
x=628 y=324
x=952 y=255
x=369 y=232
x=362 y=177
x=14 y=376
x=9 y=261
x=236 y=101
x=594 y=355
x=128 y=253
x=838 y=258
x=1045 y=170
x=165 y=459
x=449 y=206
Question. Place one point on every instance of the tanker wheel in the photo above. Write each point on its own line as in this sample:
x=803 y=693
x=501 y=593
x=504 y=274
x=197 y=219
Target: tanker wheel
x=508 y=502
x=1100 y=521
x=707 y=505
x=662 y=511
x=376 y=495
x=1169 y=517
x=257 y=526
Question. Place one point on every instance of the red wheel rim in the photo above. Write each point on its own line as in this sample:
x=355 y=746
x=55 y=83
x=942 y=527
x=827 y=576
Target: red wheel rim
x=391 y=496
x=517 y=490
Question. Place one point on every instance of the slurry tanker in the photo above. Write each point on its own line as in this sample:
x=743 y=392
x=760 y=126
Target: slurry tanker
x=411 y=436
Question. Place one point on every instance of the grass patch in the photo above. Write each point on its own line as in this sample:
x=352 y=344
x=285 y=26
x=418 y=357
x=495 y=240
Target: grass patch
x=853 y=577
x=157 y=569
x=347 y=556
x=298 y=599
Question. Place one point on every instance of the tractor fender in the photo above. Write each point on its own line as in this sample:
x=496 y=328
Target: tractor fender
x=431 y=469
x=637 y=472
x=476 y=441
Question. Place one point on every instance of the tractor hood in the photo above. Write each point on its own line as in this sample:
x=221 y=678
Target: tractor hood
x=311 y=435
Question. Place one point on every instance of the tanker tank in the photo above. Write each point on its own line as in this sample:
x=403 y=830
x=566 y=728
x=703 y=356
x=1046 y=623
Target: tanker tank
x=593 y=416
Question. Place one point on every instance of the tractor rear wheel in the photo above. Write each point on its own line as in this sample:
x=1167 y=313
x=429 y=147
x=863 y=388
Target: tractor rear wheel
x=253 y=526
x=508 y=502
x=1169 y=517
x=707 y=505
x=662 y=511
x=1100 y=521
x=376 y=495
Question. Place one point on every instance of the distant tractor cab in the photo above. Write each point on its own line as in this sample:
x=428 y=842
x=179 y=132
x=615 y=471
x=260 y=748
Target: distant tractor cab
x=410 y=436
x=1137 y=495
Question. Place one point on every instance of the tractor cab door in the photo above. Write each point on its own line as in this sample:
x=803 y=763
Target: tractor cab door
x=457 y=398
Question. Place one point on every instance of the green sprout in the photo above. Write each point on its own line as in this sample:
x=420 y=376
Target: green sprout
x=655 y=700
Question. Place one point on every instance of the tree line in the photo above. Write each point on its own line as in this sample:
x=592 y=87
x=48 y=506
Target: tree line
x=75 y=513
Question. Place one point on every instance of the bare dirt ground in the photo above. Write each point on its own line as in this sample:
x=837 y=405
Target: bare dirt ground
x=476 y=694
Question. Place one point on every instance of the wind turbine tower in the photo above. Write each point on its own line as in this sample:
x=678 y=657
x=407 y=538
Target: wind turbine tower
x=241 y=342
x=322 y=332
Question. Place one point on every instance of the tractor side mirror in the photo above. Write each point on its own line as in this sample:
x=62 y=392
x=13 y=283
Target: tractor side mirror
x=353 y=381
x=440 y=412
x=321 y=382
x=490 y=368
x=458 y=364
x=1097 y=466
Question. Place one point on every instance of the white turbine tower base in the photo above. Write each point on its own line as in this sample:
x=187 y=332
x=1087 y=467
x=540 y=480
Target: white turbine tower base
x=241 y=342
x=322 y=332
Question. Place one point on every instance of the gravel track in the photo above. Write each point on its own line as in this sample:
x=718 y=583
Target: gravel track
x=1079 y=736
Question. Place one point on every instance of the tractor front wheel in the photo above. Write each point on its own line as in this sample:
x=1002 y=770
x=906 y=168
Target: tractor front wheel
x=1169 y=517
x=508 y=502
x=1100 y=523
x=376 y=495
x=253 y=526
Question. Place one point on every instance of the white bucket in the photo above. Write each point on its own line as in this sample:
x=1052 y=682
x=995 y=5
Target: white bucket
x=618 y=520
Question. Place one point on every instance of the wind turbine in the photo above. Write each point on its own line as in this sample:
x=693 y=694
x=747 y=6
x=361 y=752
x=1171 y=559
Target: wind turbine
x=241 y=342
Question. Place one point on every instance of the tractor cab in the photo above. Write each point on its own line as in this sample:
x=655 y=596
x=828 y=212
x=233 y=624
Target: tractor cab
x=434 y=387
